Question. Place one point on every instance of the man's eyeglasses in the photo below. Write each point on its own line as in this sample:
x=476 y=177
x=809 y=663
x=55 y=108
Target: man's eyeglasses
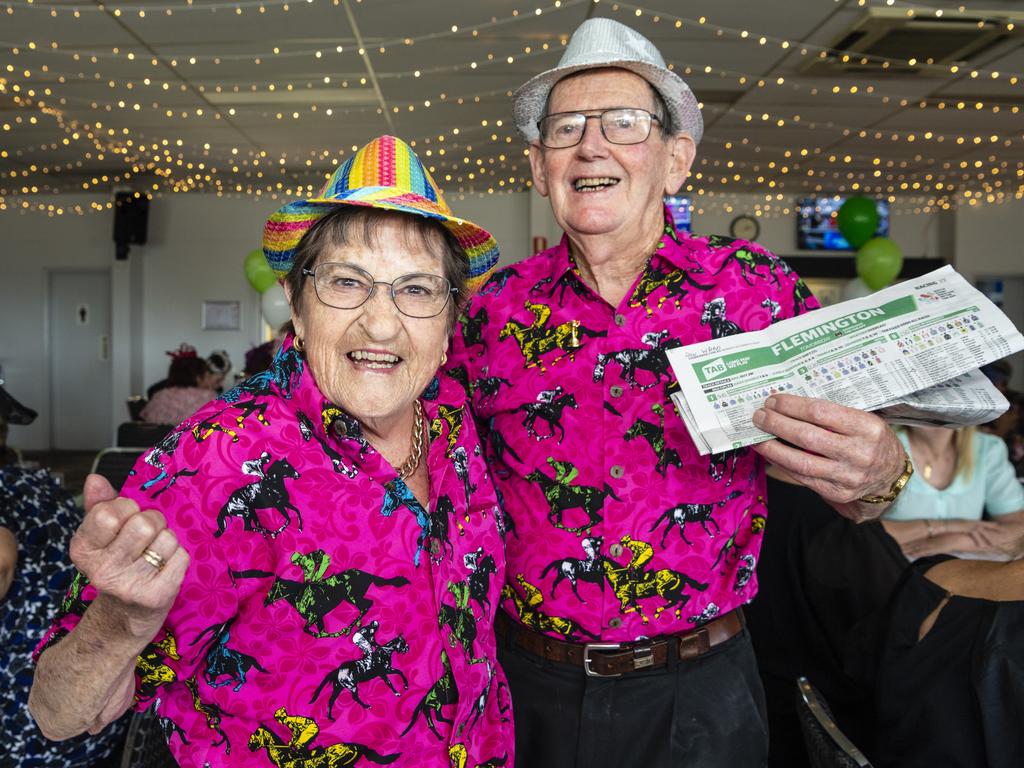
x=622 y=125
x=346 y=286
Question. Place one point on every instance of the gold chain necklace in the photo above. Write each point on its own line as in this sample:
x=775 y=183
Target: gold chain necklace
x=412 y=463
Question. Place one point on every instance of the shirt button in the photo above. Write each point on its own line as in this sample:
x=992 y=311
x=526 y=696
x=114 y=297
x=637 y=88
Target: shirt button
x=615 y=550
x=435 y=547
x=615 y=623
x=616 y=391
x=617 y=471
x=620 y=319
x=339 y=428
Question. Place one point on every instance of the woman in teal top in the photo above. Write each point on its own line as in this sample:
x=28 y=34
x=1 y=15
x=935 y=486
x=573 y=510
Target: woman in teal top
x=959 y=475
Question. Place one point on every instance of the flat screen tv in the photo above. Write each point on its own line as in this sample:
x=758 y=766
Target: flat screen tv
x=816 y=228
x=681 y=207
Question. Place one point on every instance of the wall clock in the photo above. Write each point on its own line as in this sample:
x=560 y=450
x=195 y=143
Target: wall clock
x=745 y=227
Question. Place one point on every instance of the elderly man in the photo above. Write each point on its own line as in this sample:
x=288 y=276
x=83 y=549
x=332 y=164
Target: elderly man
x=641 y=658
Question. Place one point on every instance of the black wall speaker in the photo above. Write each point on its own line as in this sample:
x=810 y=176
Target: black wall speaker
x=131 y=213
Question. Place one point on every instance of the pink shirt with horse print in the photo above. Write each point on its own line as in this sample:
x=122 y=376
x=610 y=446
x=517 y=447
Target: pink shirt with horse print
x=617 y=528
x=327 y=618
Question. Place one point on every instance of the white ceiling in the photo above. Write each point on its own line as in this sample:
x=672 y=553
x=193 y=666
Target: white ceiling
x=72 y=72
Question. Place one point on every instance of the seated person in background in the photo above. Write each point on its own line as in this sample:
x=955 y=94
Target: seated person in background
x=921 y=665
x=949 y=677
x=185 y=392
x=218 y=366
x=259 y=358
x=960 y=475
x=37 y=519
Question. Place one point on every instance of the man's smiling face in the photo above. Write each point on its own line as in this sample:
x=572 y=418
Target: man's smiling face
x=598 y=187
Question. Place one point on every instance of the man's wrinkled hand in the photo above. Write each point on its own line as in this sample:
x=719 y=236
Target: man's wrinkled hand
x=841 y=453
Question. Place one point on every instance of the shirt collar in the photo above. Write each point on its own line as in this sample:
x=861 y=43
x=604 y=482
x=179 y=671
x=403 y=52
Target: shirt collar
x=676 y=246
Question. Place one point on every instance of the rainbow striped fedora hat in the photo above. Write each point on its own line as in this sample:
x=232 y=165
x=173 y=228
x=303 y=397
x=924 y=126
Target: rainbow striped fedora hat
x=384 y=174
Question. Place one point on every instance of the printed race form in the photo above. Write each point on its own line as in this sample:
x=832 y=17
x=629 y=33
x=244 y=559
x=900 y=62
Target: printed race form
x=909 y=352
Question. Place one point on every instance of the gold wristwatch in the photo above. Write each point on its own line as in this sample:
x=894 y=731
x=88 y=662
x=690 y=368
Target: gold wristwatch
x=894 y=491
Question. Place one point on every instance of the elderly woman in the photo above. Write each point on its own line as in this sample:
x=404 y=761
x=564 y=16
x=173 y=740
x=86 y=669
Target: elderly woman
x=330 y=522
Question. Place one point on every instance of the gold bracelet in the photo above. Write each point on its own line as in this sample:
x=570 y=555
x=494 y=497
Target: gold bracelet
x=894 y=491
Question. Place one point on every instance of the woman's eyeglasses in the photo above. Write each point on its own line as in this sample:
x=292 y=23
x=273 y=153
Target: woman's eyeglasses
x=346 y=286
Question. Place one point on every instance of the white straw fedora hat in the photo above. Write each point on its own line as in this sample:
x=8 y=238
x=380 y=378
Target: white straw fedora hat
x=600 y=43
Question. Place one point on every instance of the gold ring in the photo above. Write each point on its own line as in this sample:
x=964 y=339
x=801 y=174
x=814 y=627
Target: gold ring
x=153 y=558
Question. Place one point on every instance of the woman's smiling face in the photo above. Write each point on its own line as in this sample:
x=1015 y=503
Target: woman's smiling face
x=373 y=361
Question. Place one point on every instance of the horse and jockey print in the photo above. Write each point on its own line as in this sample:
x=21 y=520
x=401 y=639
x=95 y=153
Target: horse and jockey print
x=443 y=693
x=376 y=663
x=527 y=608
x=538 y=339
x=297 y=751
x=317 y=594
x=221 y=660
x=650 y=358
x=548 y=408
x=563 y=496
x=267 y=492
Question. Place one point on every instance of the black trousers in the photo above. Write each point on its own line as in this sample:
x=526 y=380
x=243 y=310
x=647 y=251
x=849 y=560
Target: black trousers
x=707 y=712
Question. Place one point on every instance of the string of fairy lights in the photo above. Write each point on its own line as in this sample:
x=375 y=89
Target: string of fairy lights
x=479 y=157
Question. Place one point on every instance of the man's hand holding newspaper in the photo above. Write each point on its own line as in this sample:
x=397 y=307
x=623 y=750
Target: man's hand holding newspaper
x=908 y=353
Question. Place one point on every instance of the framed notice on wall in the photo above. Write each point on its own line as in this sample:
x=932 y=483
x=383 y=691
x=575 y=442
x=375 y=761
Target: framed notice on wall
x=222 y=315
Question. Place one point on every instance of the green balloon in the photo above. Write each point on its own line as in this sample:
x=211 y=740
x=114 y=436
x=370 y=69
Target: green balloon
x=858 y=220
x=879 y=261
x=258 y=271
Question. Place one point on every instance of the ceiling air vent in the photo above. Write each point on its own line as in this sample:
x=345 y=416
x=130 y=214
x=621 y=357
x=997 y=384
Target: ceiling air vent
x=888 y=34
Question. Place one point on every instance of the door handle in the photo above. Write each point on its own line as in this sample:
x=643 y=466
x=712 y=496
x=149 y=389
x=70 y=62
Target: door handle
x=105 y=348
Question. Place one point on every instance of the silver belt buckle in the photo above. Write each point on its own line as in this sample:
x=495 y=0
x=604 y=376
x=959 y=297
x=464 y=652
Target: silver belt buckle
x=598 y=647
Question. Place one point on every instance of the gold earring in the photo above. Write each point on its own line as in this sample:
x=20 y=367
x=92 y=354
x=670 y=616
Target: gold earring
x=298 y=346
x=444 y=358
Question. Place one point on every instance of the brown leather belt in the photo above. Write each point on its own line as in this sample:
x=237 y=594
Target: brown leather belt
x=616 y=659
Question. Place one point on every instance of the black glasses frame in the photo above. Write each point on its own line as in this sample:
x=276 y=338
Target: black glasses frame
x=307 y=272
x=600 y=118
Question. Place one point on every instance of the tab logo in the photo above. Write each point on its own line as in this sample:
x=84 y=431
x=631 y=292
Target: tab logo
x=714 y=368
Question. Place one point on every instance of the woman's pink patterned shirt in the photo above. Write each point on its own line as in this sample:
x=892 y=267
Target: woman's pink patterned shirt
x=325 y=613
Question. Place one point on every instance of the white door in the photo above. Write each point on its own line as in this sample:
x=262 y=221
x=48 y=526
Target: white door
x=80 y=371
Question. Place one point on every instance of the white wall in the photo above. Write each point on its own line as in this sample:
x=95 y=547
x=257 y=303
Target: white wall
x=916 y=234
x=196 y=248
x=989 y=242
x=504 y=215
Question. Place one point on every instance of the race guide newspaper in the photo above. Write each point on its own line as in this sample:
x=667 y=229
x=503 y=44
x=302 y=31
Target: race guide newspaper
x=909 y=352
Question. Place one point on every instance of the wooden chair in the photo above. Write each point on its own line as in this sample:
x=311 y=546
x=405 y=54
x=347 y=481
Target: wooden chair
x=827 y=746
x=116 y=464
